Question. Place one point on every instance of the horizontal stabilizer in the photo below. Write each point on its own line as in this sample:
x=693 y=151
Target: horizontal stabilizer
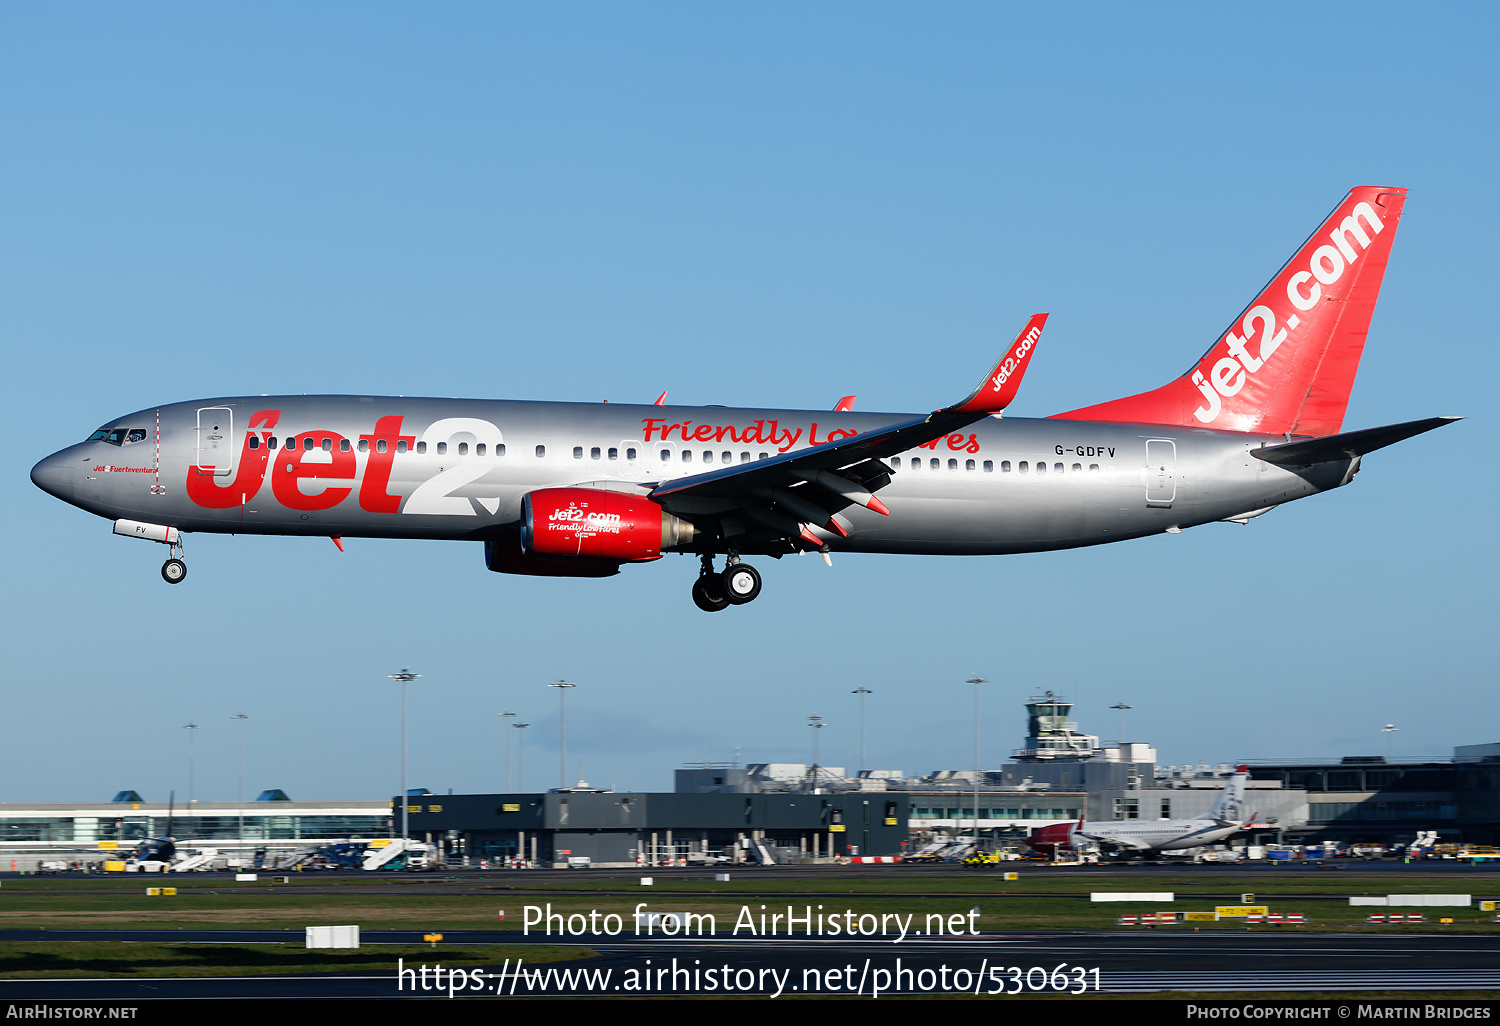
x=1347 y=445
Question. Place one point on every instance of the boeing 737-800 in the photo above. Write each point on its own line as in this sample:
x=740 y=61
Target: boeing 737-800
x=579 y=490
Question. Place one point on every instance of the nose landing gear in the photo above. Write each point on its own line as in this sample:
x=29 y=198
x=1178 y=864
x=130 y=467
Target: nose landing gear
x=174 y=571
x=735 y=585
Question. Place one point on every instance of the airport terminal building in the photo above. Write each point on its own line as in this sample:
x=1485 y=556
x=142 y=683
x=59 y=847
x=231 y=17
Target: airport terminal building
x=624 y=829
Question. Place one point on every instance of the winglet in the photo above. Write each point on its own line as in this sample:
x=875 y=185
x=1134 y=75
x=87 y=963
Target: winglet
x=844 y=405
x=661 y=400
x=1004 y=379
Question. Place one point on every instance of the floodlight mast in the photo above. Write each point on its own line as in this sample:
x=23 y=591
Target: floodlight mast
x=976 y=680
x=405 y=677
x=562 y=726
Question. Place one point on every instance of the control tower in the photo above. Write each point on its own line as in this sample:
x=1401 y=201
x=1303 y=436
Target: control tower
x=1050 y=734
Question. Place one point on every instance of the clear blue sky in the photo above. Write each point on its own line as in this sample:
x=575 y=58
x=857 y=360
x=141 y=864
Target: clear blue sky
x=769 y=204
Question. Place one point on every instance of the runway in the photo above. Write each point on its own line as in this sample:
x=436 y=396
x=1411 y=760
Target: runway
x=1006 y=964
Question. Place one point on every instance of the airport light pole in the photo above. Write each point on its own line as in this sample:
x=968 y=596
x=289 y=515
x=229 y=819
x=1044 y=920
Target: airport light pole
x=521 y=757
x=405 y=677
x=1388 y=730
x=1120 y=728
x=241 y=717
x=976 y=680
x=562 y=727
x=817 y=723
x=507 y=714
x=862 y=691
x=190 y=727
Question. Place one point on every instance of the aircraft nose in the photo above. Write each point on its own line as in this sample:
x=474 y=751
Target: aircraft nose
x=55 y=476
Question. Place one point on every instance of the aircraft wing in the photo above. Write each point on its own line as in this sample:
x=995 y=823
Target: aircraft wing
x=786 y=493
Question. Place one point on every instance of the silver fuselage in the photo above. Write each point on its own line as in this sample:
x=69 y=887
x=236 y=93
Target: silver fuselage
x=458 y=468
x=1159 y=835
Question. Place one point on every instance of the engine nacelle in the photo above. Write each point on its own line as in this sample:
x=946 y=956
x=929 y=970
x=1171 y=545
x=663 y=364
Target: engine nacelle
x=598 y=524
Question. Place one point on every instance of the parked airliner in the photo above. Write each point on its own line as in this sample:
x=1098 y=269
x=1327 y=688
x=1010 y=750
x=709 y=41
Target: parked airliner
x=579 y=490
x=1224 y=818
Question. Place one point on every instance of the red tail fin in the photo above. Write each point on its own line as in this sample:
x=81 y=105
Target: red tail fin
x=1287 y=364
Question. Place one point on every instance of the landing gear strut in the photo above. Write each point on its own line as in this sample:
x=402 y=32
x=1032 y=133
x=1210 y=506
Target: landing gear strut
x=737 y=584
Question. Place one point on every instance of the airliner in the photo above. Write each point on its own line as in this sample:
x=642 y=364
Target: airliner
x=582 y=489
x=1224 y=818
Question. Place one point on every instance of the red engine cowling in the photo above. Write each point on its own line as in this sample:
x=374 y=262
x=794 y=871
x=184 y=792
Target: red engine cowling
x=1051 y=839
x=594 y=523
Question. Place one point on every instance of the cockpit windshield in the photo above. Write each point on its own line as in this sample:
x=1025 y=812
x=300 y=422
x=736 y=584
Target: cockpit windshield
x=119 y=435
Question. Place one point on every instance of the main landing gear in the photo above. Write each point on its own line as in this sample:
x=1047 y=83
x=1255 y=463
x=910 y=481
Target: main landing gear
x=737 y=584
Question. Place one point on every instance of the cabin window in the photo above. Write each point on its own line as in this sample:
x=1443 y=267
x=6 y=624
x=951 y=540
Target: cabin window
x=541 y=452
x=479 y=449
x=1057 y=468
x=328 y=445
x=614 y=453
x=1022 y=467
x=1093 y=467
x=666 y=454
x=421 y=448
x=744 y=457
x=708 y=457
x=343 y=445
x=935 y=464
x=442 y=448
x=989 y=466
x=463 y=448
x=630 y=455
x=271 y=442
x=953 y=464
x=307 y=444
x=594 y=453
x=1077 y=467
x=255 y=441
x=1041 y=468
x=401 y=445
x=578 y=452
x=968 y=464
x=687 y=455
x=380 y=445
x=765 y=455
x=500 y=449
x=364 y=444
